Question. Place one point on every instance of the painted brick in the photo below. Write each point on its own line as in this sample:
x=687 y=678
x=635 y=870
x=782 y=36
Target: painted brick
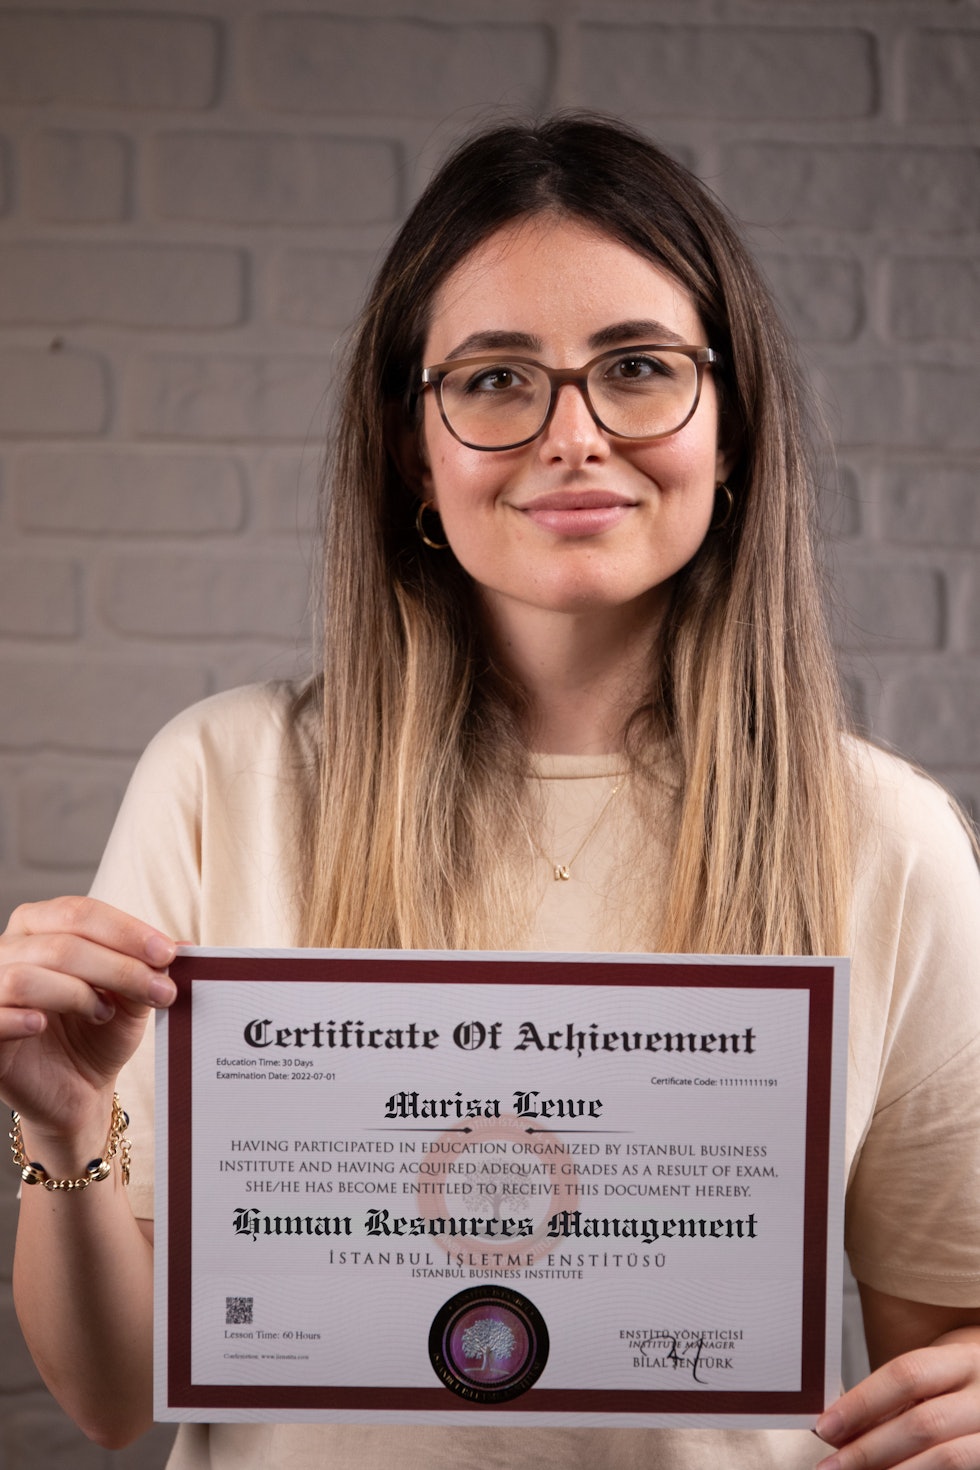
x=931 y=504
x=855 y=699
x=265 y=179
x=108 y=60
x=9 y=1212
x=934 y=718
x=821 y=296
x=30 y=886
x=39 y=597
x=841 y=504
x=935 y=299
x=245 y=662
x=973 y=618
x=888 y=609
x=941 y=75
x=78 y=178
x=179 y=287
x=965 y=786
x=127 y=492
x=47 y=394
x=416 y=68
x=285 y=490
x=314 y=288
x=199 y=597
x=238 y=398
x=763 y=72
x=92 y=704
x=34 y=1431
x=15 y=1361
x=64 y=821
x=926 y=405
x=860 y=187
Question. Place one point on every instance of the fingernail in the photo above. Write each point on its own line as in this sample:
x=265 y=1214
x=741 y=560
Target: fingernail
x=104 y=1010
x=33 y=1022
x=160 y=951
x=161 y=991
x=830 y=1426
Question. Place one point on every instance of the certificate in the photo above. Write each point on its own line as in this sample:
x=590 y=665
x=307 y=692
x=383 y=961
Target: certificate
x=521 y=1189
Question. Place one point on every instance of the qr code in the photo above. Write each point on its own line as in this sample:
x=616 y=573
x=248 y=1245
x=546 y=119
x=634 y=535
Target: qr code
x=238 y=1310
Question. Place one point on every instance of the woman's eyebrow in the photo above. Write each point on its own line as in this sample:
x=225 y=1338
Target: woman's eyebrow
x=644 y=329
x=496 y=342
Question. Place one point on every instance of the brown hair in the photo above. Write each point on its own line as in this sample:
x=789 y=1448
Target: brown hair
x=422 y=774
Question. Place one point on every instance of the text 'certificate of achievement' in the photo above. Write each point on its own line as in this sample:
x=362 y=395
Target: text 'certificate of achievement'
x=522 y=1189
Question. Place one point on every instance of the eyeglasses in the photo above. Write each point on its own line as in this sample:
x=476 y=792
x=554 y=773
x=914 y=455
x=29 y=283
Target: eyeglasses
x=632 y=393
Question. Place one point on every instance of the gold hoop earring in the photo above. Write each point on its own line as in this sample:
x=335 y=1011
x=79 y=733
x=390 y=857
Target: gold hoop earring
x=722 y=521
x=425 y=505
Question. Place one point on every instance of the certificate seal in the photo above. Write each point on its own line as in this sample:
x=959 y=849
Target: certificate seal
x=488 y=1344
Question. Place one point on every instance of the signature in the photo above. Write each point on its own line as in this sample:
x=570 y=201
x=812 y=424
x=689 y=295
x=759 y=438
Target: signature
x=679 y=1355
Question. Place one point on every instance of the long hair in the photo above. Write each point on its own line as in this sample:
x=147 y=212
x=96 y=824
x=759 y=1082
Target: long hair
x=422 y=778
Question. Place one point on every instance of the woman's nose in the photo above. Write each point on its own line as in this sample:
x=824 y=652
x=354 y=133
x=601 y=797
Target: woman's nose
x=571 y=433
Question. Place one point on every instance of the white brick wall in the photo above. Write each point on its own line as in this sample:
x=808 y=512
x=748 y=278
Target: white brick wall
x=191 y=200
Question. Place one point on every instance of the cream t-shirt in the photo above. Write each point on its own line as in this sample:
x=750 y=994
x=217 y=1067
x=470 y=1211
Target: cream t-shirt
x=205 y=847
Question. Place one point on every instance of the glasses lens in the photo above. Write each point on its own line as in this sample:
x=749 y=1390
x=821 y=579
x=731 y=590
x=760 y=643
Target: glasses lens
x=638 y=393
x=642 y=394
x=495 y=403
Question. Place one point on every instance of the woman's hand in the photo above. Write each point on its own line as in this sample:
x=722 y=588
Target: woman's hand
x=920 y=1411
x=77 y=979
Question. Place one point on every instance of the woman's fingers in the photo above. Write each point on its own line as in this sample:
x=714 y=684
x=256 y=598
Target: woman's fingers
x=88 y=918
x=93 y=948
x=62 y=972
x=909 y=1439
x=904 y=1413
x=21 y=1025
x=909 y=1379
x=77 y=976
x=77 y=959
x=28 y=987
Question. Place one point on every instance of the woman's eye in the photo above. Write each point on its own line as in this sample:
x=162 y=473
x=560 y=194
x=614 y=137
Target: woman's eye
x=493 y=380
x=637 y=369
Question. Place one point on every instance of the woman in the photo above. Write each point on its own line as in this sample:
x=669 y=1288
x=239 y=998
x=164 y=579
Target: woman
x=576 y=694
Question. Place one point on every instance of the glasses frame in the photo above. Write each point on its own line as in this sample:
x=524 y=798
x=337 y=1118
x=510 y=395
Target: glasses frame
x=434 y=376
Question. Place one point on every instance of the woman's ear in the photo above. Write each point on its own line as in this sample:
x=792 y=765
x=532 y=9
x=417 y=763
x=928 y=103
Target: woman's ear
x=725 y=461
x=405 y=444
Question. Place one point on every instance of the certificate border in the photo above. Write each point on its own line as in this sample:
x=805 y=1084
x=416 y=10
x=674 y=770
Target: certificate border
x=815 y=977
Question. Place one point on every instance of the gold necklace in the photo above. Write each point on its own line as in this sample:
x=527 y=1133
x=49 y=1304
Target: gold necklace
x=562 y=872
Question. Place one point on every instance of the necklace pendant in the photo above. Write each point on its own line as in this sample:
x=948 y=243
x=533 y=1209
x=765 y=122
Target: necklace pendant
x=562 y=873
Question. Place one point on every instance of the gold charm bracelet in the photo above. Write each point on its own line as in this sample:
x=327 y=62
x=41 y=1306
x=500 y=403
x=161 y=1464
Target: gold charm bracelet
x=95 y=1169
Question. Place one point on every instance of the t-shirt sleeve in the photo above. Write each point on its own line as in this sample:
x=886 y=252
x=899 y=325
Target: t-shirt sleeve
x=151 y=864
x=912 y=1218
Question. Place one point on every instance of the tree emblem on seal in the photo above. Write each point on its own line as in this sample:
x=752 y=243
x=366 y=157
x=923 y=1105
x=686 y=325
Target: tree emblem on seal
x=488 y=1338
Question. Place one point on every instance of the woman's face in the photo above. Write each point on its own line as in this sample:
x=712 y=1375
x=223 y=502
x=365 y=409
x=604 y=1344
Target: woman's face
x=577 y=519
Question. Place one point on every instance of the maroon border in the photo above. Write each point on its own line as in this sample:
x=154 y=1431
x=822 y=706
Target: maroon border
x=317 y=969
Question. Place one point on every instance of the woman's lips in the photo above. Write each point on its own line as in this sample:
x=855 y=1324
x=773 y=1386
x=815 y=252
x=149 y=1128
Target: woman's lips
x=578 y=512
